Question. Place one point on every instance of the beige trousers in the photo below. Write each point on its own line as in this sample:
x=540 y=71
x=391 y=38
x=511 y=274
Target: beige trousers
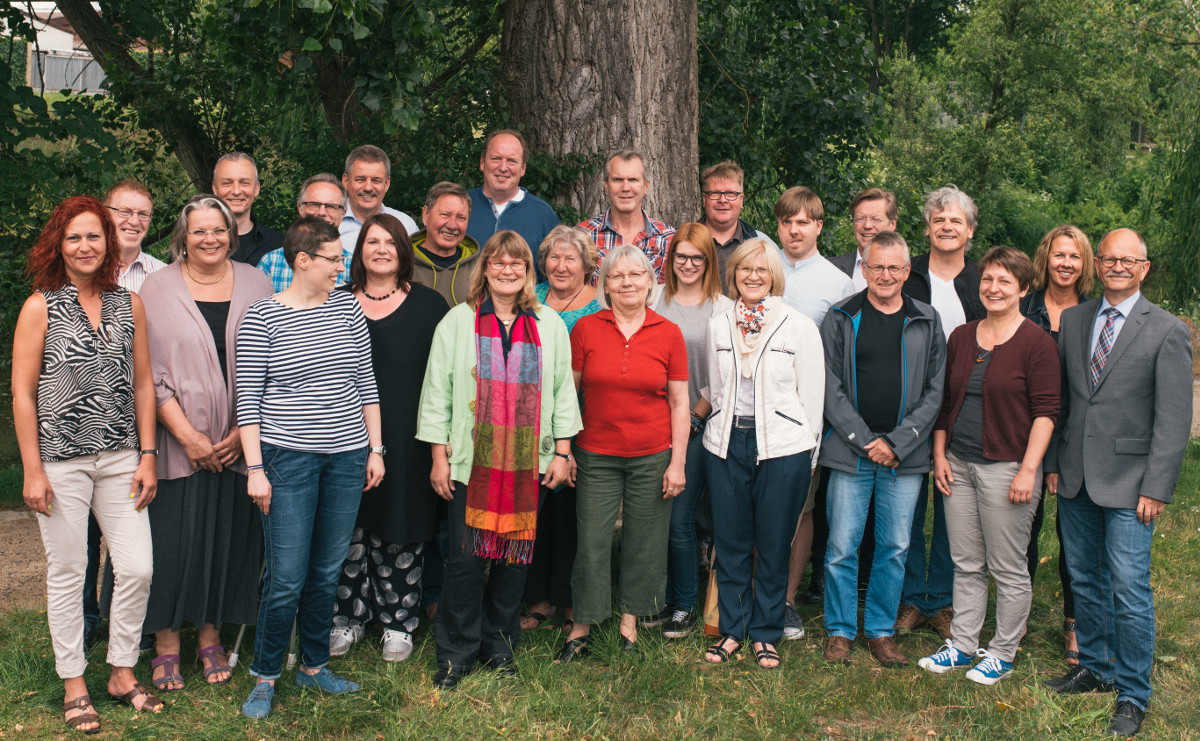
x=101 y=484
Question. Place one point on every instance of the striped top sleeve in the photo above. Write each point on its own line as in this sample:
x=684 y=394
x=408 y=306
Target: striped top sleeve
x=304 y=374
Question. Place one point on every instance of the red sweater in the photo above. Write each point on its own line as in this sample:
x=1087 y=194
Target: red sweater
x=1022 y=382
x=624 y=383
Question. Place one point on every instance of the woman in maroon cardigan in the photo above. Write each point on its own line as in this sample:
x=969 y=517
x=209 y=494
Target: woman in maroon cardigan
x=999 y=408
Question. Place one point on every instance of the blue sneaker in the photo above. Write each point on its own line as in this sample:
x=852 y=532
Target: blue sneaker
x=258 y=704
x=326 y=681
x=990 y=669
x=948 y=659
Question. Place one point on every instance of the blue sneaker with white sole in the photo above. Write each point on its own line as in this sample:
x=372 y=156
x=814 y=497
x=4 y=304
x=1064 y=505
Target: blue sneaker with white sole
x=326 y=681
x=990 y=669
x=946 y=660
x=258 y=704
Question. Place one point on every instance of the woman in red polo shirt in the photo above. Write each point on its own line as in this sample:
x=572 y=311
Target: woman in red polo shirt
x=631 y=369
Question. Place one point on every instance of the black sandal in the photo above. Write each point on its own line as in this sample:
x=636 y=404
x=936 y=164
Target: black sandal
x=576 y=648
x=80 y=703
x=719 y=654
x=537 y=618
x=1071 y=655
x=767 y=652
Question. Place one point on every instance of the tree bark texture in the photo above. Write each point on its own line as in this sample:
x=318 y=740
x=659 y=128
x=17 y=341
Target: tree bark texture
x=111 y=50
x=591 y=78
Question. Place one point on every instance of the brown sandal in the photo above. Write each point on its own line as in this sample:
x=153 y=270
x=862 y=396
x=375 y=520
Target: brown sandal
x=80 y=703
x=139 y=689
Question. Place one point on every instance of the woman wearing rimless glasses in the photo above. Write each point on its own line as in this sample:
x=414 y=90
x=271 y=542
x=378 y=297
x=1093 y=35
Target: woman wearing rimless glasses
x=766 y=388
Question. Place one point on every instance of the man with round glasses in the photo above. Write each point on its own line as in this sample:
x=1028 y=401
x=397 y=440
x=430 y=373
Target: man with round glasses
x=129 y=204
x=872 y=211
x=324 y=197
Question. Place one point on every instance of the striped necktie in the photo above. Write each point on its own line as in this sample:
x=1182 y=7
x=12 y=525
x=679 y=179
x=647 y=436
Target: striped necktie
x=1103 y=344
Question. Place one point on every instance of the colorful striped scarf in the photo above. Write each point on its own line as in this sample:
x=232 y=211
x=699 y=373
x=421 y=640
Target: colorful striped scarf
x=502 y=493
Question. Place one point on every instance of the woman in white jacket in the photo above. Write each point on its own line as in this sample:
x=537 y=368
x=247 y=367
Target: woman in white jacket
x=766 y=386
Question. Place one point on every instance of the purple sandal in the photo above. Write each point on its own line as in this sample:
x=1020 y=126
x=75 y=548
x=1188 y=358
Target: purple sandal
x=170 y=673
x=215 y=654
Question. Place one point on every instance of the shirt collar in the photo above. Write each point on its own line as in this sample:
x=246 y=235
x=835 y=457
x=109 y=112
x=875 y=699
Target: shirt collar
x=649 y=226
x=652 y=318
x=1124 y=307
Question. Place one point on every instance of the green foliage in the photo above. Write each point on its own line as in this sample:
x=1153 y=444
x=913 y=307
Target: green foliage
x=783 y=92
x=12 y=54
x=1027 y=110
x=1178 y=203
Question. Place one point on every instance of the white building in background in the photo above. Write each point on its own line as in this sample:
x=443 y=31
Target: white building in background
x=59 y=60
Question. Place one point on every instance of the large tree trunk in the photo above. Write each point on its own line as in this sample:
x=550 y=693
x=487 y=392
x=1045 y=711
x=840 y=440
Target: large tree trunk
x=111 y=50
x=593 y=78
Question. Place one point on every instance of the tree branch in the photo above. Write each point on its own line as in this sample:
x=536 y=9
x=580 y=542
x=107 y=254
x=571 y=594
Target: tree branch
x=437 y=82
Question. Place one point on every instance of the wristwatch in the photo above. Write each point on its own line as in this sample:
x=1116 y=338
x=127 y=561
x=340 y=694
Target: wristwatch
x=151 y=451
x=564 y=456
x=380 y=449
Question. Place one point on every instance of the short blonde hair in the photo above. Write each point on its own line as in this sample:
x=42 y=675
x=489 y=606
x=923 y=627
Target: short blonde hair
x=627 y=254
x=504 y=243
x=572 y=236
x=746 y=252
x=1041 y=258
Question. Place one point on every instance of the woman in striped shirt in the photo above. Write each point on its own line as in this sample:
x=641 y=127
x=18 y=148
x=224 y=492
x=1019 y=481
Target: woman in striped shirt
x=308 y=410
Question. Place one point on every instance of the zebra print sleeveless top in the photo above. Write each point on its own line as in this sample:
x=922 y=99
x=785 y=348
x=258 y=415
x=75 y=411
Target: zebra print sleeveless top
x=85 y=392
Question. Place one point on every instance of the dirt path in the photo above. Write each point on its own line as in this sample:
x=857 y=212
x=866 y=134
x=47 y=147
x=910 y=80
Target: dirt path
x=23 y=578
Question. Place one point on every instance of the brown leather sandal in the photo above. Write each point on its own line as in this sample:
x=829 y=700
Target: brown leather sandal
x=150 y=705
x=80 y=703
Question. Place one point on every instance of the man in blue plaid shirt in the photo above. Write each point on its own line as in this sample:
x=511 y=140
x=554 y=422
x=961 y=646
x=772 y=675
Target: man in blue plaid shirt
x=323 y=196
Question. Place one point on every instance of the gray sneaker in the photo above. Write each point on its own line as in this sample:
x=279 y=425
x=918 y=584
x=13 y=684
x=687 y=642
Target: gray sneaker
x=793 y=629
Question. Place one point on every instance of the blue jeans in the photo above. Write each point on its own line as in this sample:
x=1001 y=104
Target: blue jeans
x=929 y=589
x=314 y=502
x=846 y=506
x=755 y=506
x=1114 y=623
x=682 y=548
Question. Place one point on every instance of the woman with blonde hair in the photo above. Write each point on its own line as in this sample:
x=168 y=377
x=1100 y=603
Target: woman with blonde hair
x=766 y=392
x=1063 y=275
x=691 y=297
x=499 y=409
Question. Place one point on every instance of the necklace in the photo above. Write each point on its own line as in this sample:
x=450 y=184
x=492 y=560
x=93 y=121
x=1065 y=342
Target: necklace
x=206 y=282
x=569 y=302
x=507 y=322
x=380 y=298
x=982 y=355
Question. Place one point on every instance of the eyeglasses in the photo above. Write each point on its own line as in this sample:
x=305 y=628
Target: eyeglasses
x=718 y=195
x=126 y=213
x=202 y=233
x=314 y=207
x=500 y=265
x=697 y=260
x=895 y=270
x=1109 y=261
x=337 y=259
x=631 y=275
x=744 y=271
x=872 y=220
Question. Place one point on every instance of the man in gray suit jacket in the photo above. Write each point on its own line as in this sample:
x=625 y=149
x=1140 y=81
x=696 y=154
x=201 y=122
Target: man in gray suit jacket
x=1114 y=463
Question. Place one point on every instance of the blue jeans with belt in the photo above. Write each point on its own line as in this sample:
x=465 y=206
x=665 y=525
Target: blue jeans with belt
x=314 y=502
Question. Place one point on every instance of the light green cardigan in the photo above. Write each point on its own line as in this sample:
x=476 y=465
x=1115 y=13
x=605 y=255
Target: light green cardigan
x=447 y=413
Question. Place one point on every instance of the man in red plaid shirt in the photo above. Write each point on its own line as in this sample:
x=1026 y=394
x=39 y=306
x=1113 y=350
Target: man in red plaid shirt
x=625 y=221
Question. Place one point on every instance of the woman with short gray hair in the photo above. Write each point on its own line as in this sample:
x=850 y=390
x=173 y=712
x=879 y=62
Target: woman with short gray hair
x=207 y=539
x=630 y=367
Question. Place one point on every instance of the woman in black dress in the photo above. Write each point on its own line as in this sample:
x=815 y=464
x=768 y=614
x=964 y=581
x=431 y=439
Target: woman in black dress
x=381 y=579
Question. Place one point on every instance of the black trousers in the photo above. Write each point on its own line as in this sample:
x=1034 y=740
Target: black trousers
x=479 y=613
x=549 y=576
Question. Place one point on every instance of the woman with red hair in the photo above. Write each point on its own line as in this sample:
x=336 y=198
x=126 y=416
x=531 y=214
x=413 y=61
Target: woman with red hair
x=83 y=407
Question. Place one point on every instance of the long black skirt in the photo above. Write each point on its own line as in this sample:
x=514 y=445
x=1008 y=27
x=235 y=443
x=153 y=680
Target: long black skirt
x=208 y=551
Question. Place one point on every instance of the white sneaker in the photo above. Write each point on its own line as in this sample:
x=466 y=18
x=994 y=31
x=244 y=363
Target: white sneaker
x=397 y=646
x=341 y=639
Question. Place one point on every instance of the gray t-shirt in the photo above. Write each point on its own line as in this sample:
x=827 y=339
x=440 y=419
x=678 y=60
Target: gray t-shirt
x=692 y=321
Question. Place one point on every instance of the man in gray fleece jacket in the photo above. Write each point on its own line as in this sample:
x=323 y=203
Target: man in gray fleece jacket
x=884 y=365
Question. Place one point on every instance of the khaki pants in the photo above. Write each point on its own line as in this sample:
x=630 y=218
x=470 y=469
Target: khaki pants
x=989 y=535
x=100 y=484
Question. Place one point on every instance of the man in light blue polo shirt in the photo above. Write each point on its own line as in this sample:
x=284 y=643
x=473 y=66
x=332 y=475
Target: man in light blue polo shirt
x=367 y=177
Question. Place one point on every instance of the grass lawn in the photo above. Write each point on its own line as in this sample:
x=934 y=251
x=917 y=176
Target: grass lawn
x=669 y=693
